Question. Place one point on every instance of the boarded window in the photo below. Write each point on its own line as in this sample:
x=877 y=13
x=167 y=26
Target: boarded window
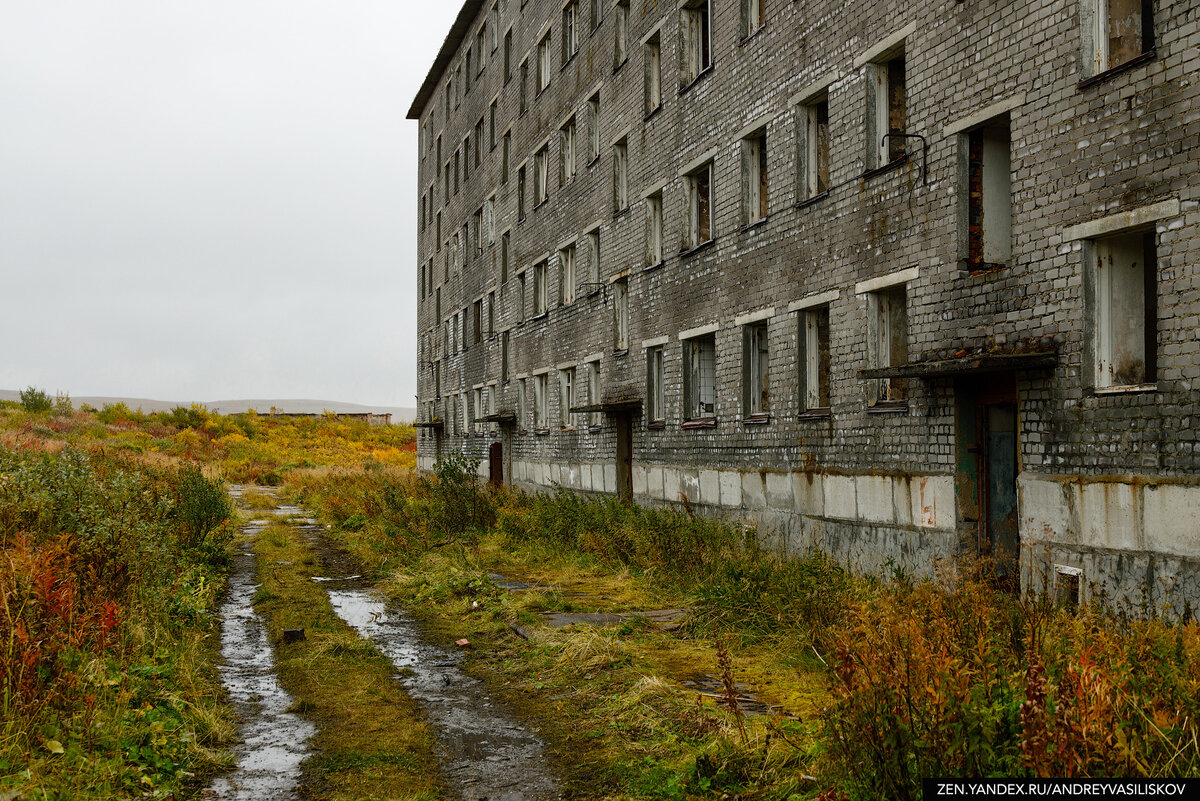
x=987 y=216
x=656 y=411
x=699 y=207
x=887 y=110
x=621 y=174
x=566 y=396
x=813 y=135
x=888 y=342
x=541 y=293
x=621 y=315
x=594 y=127
x=566 y=150
x=756 y=361
x=653 y=74
x=754 y=178
x=621 y=28
x=654 y=229
x=1120 y=31
x=696 y=40
x=814 y=359
x=566 y=265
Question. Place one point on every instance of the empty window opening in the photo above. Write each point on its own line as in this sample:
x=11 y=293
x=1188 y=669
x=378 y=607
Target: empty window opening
x=887 y=111
x=1068 y=587
x=508 y=44
x=814 y=359
x=593 y=378
x=621 y=315
x=566 y=161
x=699 y=207
x=813 y=129
x=593 y=127
x=654 y=229
x=570 y=35
x=700 y=378
x=756 y=361
x=541 y=294
x=754 y=178
x=696 y=30
x=1119 y=30
x=491 y=314
x=505 y=154
x=988 y=190
x=887 y=343
x=521 y=195
x=1125 y=309
x=656 y=411
x=566 y=397
x=753 y=17
x=621 y=174
x=505 y=244
x=524 y=106
x=621 y=44
x=477 y=320
x=522 y=281
x=653 y=74
x=593 y=265
x=566 y=286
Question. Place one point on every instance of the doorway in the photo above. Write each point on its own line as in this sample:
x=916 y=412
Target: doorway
x=988 y=465
x=496 y=465
x=624 y=429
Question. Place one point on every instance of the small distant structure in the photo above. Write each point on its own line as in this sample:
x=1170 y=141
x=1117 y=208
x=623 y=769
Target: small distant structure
x=370 y=418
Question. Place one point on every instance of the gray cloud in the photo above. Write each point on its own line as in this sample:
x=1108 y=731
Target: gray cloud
x=211 y=199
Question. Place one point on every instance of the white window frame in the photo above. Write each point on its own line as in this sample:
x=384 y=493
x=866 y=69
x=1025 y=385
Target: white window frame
x=567 y=274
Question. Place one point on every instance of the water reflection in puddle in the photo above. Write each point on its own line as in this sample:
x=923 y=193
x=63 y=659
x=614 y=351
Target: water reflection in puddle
x=486 y=753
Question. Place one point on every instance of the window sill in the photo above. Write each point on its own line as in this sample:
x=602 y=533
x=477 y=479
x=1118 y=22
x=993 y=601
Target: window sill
x=750 y=36
x=620 y=352
x=975 y=269
x=541 y=432
x=595 y=160
x=704 y=422
x=652 y=112
x=541 y=92
x=568 y=428
x=567 y=63
x=1108 y=74
x=757 y=420
x=539 y=317
x=812 y=201
x=699 y=77
x=652 y=267
x=750 y=226
x=1132 y=389
x=621 y=212
x=815 y=414
x=541 y=203
x=656 y=425
x=702 y=246
x=886 y=168
x=889 y=407
x=619 y=64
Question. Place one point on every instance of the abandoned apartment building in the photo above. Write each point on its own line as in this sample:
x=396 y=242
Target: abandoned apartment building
x=905 y=281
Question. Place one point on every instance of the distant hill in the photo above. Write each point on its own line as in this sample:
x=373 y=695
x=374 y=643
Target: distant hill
x=399 y=414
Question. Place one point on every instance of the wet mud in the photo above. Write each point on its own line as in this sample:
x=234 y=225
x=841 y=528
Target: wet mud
x=273 y=741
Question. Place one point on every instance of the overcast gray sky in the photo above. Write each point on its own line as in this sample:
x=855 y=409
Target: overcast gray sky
x=205 y=199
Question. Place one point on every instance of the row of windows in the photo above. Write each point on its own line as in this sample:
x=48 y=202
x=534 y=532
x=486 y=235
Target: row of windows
x=1121 y=286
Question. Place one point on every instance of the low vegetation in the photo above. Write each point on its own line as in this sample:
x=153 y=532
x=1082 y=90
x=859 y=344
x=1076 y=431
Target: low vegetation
x=874 y=684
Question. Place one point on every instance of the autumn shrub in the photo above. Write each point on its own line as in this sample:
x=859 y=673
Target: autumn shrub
x=932 y=680
x=36 y=400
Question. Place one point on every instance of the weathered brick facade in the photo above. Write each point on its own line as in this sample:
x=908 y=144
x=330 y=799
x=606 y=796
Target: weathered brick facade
x=1103 y=486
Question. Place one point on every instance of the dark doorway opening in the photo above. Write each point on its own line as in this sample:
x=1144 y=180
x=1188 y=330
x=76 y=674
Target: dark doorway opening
x=624 y=429
x=986 y=481
x=496 y=464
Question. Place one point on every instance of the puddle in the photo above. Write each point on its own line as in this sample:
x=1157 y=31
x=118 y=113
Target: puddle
x=486 y=754
x=273 y=741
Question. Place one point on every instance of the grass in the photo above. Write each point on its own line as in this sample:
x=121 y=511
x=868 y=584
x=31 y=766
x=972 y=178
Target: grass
x=372 y=740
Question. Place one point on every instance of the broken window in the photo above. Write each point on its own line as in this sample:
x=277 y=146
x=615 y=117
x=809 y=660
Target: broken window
x=492 y=125
x=570 y=38
x=566 y=151
x=593 y=242
x=540 y=411
x=505 y=244
x=886 y=110
x=653 y=74
x=985 y=219
x=505 y=354
x=521 y=195
x=566 y=264
x=541 y=294
x=621 y=315
x=814 y=359
x=696 y=29
x=508 y=44
x=621 y=174
x=1124 y=313
x=700 y=378
x=752 y=16
x=543 y=63
x=593 y=127
x=541 y=175
x=756 y=391
x=1119 y=31
x=699 y=207
x=505 y=154
x=656 y=411
x=566 y=396
x=621 y=45
x=524 y=86
x=593 y=376
x=812 y=126
x=887 y=342
x=521 y=292
x=754 y=178
x=491 y=314
x=654 y=229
